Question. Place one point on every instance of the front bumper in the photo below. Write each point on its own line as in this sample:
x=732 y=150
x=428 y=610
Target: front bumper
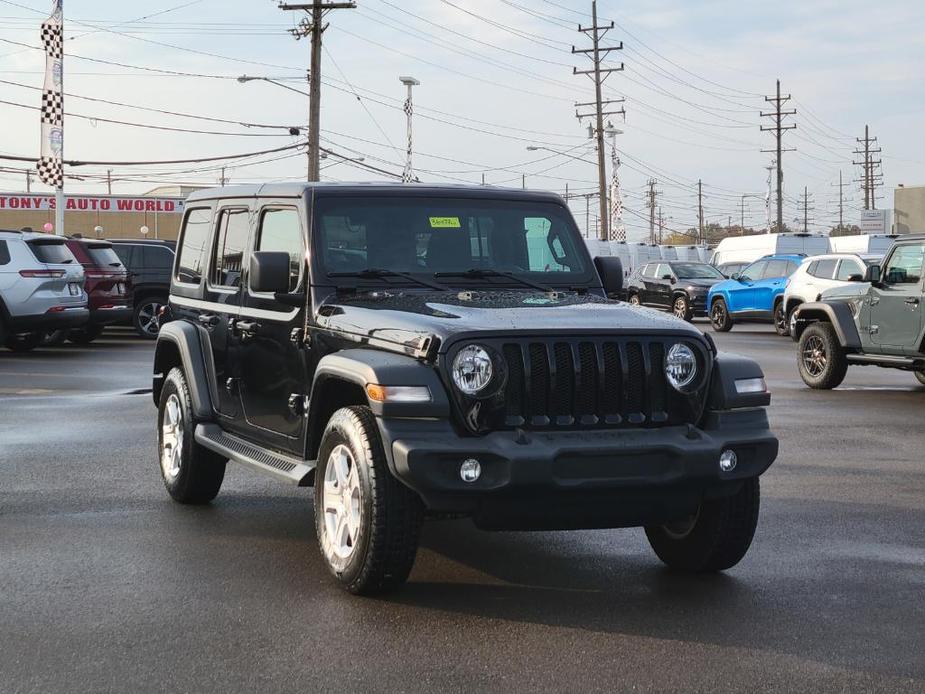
x=611 y=478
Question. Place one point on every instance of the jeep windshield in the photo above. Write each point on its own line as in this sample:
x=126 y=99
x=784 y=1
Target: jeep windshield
x=512 y=242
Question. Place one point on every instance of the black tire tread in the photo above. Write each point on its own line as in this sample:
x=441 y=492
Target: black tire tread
x=395 y=520
x=837 y=365
x=727 y=325
x=779 y=306
x=202 y=474
x=721 y=537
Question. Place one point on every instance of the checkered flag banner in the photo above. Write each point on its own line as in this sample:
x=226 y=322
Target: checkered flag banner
x=50 y=165
x=617 y=230
x=408 y=174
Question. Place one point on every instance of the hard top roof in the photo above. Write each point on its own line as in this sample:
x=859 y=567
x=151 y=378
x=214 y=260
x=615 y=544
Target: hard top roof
x=28 y=235
x=297 y=190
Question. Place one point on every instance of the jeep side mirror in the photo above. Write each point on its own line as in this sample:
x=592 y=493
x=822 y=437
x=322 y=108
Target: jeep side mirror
x=610 y=270
x=735 y=276
x=856 y=278
x=670 y=278
x=269 y=271
x=872 y=274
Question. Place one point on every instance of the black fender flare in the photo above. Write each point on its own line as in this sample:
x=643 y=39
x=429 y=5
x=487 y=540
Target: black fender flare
x=364 y=367
x=182 y=338
x=837 y=313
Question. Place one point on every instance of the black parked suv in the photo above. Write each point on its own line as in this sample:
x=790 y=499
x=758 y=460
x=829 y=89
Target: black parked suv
x=149 y=263
x=673 y=285
x=417 y=351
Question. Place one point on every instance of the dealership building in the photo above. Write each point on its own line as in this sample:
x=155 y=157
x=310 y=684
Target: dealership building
x=157 y=212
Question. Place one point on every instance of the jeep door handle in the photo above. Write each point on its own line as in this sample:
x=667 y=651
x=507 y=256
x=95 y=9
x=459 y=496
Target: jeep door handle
x=209 y=320
x=247 y=328
x=912 y=301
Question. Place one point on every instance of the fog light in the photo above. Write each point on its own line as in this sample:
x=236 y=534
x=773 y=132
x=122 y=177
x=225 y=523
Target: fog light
x=470 y=470
x=727 y=460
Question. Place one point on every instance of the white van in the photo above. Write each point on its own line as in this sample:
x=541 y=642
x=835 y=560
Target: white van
x=863 y=244
x=747 y=249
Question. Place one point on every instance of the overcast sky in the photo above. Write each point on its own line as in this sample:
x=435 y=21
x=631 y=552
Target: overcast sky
x=495 y=77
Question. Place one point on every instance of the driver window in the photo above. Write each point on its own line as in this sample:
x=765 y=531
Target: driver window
x=280 y=230
x=754 y=271
x=905 y=265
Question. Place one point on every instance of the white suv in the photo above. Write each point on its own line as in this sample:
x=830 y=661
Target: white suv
x=820 y=272
x=41 y=288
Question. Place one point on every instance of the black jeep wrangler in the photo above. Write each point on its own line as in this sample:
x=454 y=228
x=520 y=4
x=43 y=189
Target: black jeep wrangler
x=415 y=351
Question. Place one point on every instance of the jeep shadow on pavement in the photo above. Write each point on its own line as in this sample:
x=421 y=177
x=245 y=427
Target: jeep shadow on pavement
x=876 y=320
x=418 y=351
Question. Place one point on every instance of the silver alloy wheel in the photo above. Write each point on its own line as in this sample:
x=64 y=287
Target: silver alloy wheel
x=172 y=438
x=634 y=299
x=814 y=356
x=718 y=314
x=793 y=322
x=147 y=317
x=341 y=504
x=680 y=307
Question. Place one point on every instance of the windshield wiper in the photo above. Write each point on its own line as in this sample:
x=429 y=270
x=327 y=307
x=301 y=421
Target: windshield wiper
x=476 y=273
x=374 y=272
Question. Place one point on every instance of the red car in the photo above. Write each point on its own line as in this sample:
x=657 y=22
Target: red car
x=108 y=287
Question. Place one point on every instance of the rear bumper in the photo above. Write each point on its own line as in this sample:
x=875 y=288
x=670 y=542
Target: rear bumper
x=615 y=478
x=110 y=315
x=68 y=318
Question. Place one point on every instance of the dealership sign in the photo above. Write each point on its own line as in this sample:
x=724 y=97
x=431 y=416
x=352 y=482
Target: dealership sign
x=92 y=203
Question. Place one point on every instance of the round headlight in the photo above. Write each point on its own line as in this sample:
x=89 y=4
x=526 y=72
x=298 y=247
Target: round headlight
x=680 y=366
x=472 y=369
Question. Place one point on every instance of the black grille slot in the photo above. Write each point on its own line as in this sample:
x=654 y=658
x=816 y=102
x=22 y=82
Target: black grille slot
x=591 y=382
x=588 y=388
x=514 y=400
x=538 y=395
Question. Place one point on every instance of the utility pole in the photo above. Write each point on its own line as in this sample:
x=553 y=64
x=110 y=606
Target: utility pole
x=742 y=220
x=28 y=180
x=223 y=179
x=777 y=117
x=841 y=202
x=523 y=181
x=109 y=181
x=868 y=177
x=805 y=200
x=598 y=75
x=700 y=237
x=651 y=205
x=314 y=28
x=661 y=225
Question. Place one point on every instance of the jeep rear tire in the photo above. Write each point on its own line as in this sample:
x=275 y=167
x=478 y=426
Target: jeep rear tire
x=192 y=474
x=820 y=357
x=715 y=538
x=719 y=316
x=920 y=375
x=366 y=521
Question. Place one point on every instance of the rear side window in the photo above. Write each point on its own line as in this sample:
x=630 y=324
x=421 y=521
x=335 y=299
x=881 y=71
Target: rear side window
x=157 y=258
x=195 y=236
x=4 y=253
x=51 y=252
x=280 y=230
x=823 y=269
x=104 y=256
x=230 y=242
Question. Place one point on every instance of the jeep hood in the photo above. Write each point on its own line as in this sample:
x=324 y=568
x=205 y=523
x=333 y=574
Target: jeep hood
x=407 y=320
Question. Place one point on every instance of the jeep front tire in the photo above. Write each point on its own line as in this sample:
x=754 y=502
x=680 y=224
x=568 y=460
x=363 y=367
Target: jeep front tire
x=713 y=539
x=192 y=474
x=366 y=521
x=821 y=359
x=719 y=316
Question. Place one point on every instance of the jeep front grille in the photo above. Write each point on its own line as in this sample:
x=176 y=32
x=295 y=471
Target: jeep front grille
x=594 y=382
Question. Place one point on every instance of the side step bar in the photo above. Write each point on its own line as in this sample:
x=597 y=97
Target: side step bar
x=886 y=359
x=278 y=465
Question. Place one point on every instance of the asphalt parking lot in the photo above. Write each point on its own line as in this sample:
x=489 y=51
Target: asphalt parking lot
x=109 y=586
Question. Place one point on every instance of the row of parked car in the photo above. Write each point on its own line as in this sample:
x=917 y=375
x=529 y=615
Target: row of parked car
x=56 y=288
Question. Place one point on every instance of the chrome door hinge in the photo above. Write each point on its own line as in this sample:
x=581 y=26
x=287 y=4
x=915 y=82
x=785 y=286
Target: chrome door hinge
x=298 y=335
x=298 y=404
x=874 y=329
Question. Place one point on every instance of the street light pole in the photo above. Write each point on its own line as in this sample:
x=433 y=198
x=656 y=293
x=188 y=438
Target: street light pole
x=408 y=173
x=293 y=131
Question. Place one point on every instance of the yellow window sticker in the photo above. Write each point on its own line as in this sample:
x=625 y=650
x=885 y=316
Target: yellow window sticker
x=444 y=223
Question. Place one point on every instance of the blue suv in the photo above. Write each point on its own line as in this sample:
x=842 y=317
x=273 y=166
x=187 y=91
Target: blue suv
x=753 y=295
